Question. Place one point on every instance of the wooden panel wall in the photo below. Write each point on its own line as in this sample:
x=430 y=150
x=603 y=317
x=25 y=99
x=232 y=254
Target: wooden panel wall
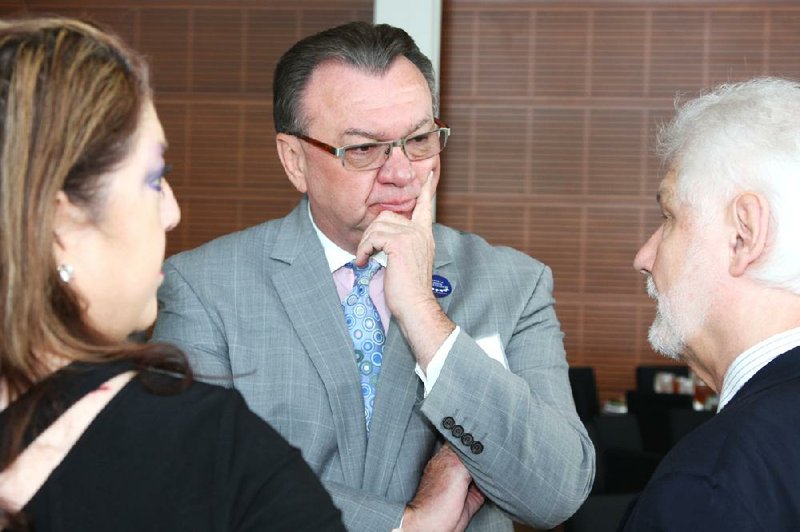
x=212 y=64
x=553 y=105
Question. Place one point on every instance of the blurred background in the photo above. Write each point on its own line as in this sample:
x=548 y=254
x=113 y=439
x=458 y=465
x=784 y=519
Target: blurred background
x=553 y=106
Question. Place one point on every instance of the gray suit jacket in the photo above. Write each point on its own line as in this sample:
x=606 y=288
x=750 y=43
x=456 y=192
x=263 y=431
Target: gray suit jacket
x=258 y=310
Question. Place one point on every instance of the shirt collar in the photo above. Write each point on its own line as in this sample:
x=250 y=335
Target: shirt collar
x=336 y=256
x=753 y=359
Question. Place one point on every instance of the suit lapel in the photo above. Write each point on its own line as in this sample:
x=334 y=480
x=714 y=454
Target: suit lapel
x=443 y=265
x=782 y=368
x=399 y=389
x=309 y=296
x=396 y=395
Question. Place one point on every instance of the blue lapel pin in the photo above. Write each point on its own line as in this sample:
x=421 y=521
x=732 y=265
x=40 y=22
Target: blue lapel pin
x=441 y=286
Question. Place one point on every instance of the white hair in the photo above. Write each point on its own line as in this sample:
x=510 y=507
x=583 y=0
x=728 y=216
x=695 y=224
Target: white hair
x=743 y=137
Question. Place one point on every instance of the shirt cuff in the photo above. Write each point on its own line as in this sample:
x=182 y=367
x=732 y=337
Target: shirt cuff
x=436 y=364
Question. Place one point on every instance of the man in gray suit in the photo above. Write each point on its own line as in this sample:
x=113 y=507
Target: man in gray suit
x=471 y=420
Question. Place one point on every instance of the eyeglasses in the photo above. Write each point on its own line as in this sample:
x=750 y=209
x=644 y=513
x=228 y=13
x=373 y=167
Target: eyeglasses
x=373 y=155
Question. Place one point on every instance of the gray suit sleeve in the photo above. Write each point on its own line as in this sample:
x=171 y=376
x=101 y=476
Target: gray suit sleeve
x=184 y=321
x=363 y=511
x=537 y=462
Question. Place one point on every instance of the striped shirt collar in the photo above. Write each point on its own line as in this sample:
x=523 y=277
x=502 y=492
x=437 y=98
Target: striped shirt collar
x=753 y=359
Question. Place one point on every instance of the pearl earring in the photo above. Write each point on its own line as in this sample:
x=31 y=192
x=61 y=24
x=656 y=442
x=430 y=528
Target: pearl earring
x=65 y=272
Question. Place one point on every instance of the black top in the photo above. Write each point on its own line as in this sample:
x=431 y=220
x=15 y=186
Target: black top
x=195 y=460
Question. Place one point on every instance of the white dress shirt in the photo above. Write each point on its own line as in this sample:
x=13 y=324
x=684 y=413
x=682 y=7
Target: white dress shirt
x=753 y=359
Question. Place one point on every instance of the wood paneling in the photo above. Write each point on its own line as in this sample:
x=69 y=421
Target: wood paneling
x=211 y=65
x=560 y=52
x=553 y=106
x=561 y=101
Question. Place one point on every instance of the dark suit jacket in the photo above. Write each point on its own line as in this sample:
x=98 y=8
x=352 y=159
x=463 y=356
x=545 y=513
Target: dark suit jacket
x=740 y=471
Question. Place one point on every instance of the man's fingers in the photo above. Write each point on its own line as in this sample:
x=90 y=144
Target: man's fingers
x=474 y=500
x=372 y=242
x=423 y=210
x=475 y=494
x=365 y=250
x=377 y=236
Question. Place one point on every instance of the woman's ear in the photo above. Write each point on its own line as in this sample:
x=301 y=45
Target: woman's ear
x=293 y=159
x=751 y=226
x=69 y=223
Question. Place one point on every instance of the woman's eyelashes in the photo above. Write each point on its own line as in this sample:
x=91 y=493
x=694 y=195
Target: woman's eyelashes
x=154 y=179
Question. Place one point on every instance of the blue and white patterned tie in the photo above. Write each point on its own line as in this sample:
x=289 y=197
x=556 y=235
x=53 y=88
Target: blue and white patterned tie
x=366 y=331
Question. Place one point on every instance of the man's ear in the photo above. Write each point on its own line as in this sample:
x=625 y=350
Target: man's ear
x=293 y=159
x=751 y=225
x=69 y=223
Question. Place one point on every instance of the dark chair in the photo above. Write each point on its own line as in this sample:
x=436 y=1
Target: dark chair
x=645 y=375
x=652 y=411
x=584 y=393
x=622 y=464
x=619 y=431
x=600 y=513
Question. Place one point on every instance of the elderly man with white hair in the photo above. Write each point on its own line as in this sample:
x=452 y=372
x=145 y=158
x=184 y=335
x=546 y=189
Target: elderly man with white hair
x=724 y=268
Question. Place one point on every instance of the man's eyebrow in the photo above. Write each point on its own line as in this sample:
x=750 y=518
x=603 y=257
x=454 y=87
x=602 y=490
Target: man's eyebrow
x=420 y=124
x=379 y=135
x=361 y=133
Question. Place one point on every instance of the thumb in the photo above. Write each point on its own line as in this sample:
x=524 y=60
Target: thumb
x=423 y=210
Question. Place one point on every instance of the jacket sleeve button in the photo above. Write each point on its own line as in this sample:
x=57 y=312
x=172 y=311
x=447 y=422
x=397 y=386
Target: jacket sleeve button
x=448 y=423
x=476 y=448
x=467 y=439
x=458 y=430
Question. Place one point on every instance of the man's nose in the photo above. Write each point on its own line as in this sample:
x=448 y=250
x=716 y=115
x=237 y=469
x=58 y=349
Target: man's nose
x=643 y=261
x=397 y=169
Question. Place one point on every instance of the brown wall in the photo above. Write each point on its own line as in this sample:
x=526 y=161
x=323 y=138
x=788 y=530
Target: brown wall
x=553 y=105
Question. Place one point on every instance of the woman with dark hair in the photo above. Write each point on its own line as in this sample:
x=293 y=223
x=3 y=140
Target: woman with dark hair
x=98 y=433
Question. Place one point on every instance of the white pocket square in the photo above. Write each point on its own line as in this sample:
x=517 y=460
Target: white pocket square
x=493 y=347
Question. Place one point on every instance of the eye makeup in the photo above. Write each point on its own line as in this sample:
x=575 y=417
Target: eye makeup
x=154 y=179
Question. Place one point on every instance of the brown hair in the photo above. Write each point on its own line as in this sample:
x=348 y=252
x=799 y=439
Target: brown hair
x=71 y=97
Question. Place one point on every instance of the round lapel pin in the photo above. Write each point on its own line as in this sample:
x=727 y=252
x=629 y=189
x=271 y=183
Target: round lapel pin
x=441 y=286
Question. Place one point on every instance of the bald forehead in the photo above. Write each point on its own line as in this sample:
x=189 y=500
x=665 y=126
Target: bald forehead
x=373 y=101
x=333 y=71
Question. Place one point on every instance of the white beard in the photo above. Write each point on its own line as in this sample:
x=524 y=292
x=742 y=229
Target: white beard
x=682 y=311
